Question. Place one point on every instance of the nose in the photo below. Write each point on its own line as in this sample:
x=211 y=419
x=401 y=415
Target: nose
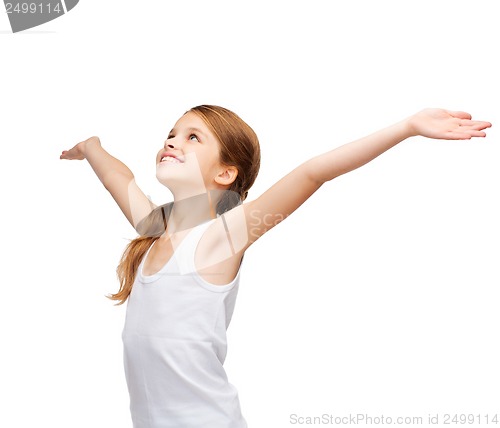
x=169 y=144
x=173 y=143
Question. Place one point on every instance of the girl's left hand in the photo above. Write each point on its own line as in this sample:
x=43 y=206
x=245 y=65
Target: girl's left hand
x=446 y=125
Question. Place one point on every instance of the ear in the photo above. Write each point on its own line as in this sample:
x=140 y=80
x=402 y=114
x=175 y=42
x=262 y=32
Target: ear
x=226 y=175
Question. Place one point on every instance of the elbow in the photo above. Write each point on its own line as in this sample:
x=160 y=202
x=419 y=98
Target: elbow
x=116 y=179
x=317 y=172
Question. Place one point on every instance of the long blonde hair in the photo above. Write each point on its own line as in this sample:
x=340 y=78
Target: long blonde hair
x=239 y=147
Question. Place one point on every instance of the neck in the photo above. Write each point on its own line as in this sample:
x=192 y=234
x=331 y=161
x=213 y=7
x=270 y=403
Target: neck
x=189 y=212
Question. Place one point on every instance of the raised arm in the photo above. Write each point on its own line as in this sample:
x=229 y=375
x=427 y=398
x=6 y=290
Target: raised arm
x=290 y=192
x=116 y=178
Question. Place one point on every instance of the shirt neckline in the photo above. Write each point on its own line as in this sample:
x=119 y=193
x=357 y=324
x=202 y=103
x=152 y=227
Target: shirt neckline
x=150 y=278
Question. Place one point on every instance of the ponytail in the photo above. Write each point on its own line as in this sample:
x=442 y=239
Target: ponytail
x=150 y=229
x=127 y=268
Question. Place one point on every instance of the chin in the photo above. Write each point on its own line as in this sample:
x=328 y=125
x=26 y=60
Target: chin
x=182 y=180
x=177 y=185
x=164 y=176
x=165 y=180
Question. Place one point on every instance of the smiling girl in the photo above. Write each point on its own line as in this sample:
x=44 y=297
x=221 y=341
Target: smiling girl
x=180 y=276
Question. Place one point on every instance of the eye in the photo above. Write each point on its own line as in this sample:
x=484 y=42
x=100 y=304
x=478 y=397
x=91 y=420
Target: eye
x=195 y=136
x=170 y=137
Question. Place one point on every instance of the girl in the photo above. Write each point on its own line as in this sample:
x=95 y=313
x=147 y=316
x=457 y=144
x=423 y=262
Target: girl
x=181 y=275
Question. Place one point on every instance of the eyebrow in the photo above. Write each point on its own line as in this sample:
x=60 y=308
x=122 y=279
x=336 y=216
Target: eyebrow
x=197 y=130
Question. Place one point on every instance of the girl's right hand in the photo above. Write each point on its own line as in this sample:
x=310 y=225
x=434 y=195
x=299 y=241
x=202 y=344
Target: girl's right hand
x=78 y=151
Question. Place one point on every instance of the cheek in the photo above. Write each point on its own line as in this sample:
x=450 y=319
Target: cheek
x=209 y=169
x=210 y=162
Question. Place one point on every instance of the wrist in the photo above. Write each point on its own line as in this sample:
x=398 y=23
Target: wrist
x=411 y=126
x=404 y=129
x=88 y=145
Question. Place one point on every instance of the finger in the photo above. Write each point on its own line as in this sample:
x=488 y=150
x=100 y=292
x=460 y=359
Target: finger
x=477 y=133
x=459 y=114
x=475 y=124
x=467 y=135
x=455 y=135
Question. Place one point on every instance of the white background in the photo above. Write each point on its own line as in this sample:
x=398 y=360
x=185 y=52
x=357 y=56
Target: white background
x=379 y=296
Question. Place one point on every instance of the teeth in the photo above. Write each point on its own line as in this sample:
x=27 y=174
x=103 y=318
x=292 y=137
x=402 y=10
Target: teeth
x=170 y=159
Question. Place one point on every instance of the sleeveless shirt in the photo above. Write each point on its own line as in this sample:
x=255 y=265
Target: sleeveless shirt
x=174 y=343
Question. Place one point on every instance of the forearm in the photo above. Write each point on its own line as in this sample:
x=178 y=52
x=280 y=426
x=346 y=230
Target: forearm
x=104 y=165
x=350 y=156
x=116 y=178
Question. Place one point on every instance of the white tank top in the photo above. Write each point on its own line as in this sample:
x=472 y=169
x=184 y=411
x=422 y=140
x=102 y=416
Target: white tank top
x=175 y=345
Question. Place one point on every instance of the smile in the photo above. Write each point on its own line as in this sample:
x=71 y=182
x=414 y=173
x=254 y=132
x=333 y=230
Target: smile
x=170 y=159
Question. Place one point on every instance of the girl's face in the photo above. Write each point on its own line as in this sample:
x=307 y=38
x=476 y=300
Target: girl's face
x=188 y=164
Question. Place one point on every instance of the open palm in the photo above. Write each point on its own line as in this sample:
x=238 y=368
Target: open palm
x=76 y=152
x=447 y=125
